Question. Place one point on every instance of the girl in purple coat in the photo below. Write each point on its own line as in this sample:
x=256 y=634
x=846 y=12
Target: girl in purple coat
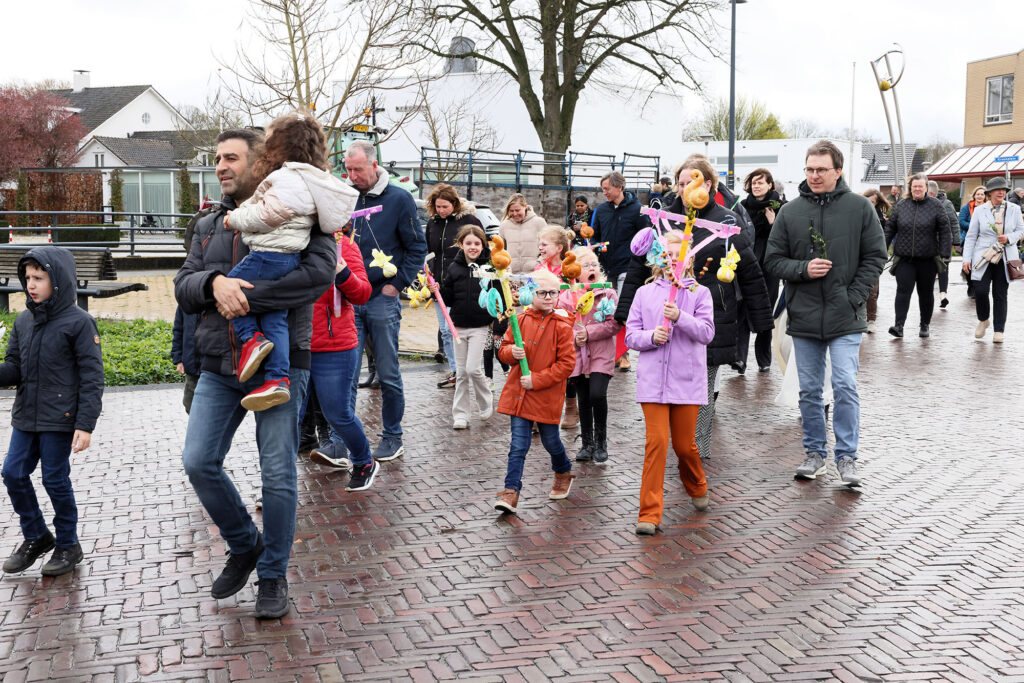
x=671 y=381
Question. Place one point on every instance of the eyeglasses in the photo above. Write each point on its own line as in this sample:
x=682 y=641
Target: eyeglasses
x=546 y=293
x=817 y=171
x=589 y=265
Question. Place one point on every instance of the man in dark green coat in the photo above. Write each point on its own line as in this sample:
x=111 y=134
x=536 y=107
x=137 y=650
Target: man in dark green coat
x=828 y=247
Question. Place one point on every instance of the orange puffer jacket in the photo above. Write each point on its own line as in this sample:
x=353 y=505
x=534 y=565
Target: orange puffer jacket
x=551 y=355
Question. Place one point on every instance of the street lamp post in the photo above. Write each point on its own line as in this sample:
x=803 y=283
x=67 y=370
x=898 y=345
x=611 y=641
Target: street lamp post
x=730 y=178
x=707 y=138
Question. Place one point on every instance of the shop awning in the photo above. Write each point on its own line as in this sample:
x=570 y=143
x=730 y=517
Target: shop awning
x=978 y=161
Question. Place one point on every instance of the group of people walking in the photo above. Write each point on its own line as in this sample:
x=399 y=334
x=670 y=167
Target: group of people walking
x=295 y=272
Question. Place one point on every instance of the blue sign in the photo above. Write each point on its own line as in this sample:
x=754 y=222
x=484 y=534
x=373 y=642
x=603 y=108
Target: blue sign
x=722 y=173
x=1003 y=160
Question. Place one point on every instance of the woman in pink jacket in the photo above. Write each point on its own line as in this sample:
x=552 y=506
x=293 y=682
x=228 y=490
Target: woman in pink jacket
x=671 y=382
x=595 y=358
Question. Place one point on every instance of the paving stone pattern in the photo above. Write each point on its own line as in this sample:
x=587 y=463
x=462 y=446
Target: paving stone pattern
x=917 y=577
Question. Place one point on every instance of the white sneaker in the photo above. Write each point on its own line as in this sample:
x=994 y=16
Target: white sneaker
x=871 y=327
x=979 y=331
x=997 y=338
x=460 y=424
x=486 y=414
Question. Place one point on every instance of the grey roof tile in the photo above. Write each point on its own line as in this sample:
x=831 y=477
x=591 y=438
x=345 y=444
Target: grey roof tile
x=99 y=104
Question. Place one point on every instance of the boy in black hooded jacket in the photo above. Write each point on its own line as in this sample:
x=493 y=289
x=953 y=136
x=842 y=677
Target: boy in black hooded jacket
x=54 y=358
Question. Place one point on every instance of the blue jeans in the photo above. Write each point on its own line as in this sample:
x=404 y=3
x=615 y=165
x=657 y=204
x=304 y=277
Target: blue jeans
x=520 y=446
x=267 y=265
x=446 y=337
x=53 y=451
x=216 y=414
x=332 y=373
x=382 y=317
x=844 y=353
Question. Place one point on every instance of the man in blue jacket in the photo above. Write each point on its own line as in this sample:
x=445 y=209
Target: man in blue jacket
x=616 y=222
x=396 y=231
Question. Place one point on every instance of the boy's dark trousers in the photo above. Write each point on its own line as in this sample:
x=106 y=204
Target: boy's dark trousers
x=53 y=450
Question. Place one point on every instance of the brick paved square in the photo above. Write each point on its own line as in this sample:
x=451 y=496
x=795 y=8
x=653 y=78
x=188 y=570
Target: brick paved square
x=916 y=577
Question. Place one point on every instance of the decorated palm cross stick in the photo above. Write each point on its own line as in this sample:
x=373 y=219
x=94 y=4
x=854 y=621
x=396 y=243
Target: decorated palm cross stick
x=432 y=283
x=695 y=197
x=501 y=260
x=361 y=213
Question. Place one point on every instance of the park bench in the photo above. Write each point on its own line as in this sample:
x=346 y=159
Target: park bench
x=94 y=266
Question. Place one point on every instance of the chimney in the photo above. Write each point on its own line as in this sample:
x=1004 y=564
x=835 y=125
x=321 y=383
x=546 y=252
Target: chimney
x=80 y=80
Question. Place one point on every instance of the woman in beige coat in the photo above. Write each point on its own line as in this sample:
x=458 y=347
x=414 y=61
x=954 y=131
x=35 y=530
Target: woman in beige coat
x=520 y=228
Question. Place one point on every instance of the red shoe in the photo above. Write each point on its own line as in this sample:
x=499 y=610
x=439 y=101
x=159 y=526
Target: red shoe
x=253 y=353
x=273 y=392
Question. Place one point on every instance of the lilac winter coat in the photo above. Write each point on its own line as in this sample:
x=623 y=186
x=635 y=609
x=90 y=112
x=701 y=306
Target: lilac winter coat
x=598 y=354
x=675 y=372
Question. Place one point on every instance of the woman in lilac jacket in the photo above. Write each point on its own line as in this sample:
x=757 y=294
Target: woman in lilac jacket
x=671 y=383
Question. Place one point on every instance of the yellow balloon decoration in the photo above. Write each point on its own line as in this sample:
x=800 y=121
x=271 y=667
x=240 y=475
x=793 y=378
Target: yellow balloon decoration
x=585 y=303
x=383 y=261
x=727 y=271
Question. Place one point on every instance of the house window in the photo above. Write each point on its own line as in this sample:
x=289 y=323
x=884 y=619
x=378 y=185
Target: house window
x=98 y=159
x=999 y=99
x=145 y=117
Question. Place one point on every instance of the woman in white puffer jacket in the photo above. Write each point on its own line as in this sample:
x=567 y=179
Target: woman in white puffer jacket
x=295 y=192
x=520 y=229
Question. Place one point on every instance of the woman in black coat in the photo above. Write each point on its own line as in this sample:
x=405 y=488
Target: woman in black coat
x=762 y=203
x=723 y=348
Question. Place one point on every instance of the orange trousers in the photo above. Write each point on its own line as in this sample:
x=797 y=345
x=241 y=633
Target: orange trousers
x=678 y=422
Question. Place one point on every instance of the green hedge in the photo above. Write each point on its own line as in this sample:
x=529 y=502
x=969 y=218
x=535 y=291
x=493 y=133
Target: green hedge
x=89 y=233
x=134 y=351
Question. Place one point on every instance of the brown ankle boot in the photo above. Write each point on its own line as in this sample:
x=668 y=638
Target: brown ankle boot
x=571 y=418
x=560 y=488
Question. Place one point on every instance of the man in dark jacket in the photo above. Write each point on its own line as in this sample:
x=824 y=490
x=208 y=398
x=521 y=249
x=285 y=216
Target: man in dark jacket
x=828 y=246
x=54 y=359
x=395 y=231
x=616 y=221
x=203 y=287
x=919 y=232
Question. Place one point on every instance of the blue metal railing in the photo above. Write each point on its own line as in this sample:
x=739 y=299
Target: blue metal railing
x=532 y=169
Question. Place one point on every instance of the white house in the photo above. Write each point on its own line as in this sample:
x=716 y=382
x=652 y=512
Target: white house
x=132 y=127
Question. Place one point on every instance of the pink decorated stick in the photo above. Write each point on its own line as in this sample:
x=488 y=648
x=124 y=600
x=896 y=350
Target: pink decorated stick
x=361 y=213
x=440 y=301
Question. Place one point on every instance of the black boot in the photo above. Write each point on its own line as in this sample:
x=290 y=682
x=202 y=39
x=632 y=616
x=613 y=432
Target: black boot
x=586 y=453
x=371 y=368
x=600 y=444
x=896 y=330
x=323 y=428
x=307 y=435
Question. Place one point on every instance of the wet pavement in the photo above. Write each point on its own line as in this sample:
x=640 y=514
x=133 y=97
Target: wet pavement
x=916 y=577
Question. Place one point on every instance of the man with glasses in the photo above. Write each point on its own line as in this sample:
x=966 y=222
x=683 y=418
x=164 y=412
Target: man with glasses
x=828 y=247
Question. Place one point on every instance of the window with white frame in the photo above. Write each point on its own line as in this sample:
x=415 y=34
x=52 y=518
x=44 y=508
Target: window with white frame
x=98 y=159
x=999 y=99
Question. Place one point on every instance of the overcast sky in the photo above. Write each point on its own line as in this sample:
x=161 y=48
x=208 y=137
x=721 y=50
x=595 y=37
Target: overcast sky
x=795 y=55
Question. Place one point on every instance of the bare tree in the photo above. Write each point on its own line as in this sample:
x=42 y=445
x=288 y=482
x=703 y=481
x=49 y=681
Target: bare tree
x=302 y=47
x=553 y=50
x=452 y=125
x=753 y=122
x=204 y=123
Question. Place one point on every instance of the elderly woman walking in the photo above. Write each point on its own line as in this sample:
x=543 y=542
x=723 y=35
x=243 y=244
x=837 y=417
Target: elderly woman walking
x=991 y=242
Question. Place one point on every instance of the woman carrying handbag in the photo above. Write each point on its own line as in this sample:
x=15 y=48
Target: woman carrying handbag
x=990 y=252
